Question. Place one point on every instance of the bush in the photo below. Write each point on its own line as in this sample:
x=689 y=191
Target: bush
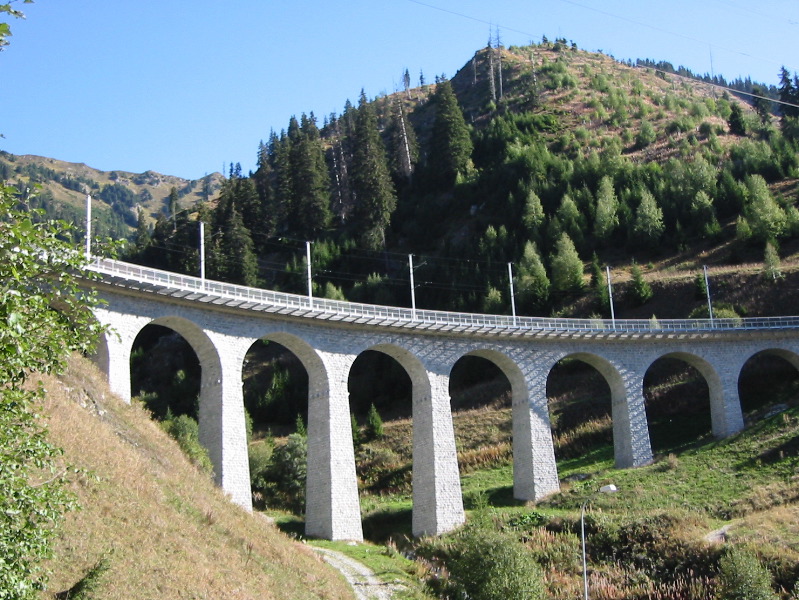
x=260 y=459
x=742 y=577
x=491 y=565
x=374 y=424
x=640 y=290
x=287 y=473
x=186 y=432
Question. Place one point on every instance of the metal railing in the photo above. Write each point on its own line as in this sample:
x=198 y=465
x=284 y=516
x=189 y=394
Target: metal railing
x=429 y=319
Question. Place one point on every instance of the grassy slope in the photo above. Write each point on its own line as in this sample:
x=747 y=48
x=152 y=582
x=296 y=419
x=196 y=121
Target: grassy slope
x=168 y=531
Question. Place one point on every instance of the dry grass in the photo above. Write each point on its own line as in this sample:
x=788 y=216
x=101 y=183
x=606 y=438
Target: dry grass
x=168 y=531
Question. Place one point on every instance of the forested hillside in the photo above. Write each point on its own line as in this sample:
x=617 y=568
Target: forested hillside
x=547 y=157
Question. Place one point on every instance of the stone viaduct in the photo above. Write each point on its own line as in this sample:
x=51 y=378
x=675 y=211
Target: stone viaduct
x=221 y=322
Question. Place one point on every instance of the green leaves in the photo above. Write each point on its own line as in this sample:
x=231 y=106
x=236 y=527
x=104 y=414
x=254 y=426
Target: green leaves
x=44 y=316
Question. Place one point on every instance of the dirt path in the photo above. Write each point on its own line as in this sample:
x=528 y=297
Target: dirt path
x=364 y=582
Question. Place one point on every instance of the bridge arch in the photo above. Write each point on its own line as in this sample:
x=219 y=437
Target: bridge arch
x=677 y=388
x=768 y=376
x=534 y=468
x=631 y=445
x=720 y=402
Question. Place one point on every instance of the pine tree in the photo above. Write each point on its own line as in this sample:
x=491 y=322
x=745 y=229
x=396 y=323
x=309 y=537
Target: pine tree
x=374 y=193
x=404 y=151
x=264 y=180
x=310 y=207
x=533 y=216
x=374 y=424
x=173 y=205
x=570 y=219
x=607 y=207
x=648 y=224
x=142 y=239
x=742 y=577
x=766 y=218
x=771 y=262
x=238 y=258
x=640 y=290
x=451 y=143
x=283 y=181
x=567 y=268
x=532 y=282
x=789 y=93
x=737 y=122
x=703 y=215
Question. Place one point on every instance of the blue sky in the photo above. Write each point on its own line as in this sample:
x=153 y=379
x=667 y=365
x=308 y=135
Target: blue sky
x=184 y=88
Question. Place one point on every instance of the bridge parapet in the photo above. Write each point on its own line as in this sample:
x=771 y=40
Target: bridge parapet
x=205 y=290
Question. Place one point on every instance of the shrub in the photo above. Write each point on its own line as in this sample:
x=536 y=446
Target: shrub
x=288 y=470
x=742 y=577
x=640 y=290
x=260 y=458
x=374 y=424
x=491 y=565
x=186 y=433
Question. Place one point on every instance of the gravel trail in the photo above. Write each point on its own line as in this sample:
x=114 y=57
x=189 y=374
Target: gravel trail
x=364 y=582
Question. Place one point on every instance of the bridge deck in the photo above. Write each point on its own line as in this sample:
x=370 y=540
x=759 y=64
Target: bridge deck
x=246 y=298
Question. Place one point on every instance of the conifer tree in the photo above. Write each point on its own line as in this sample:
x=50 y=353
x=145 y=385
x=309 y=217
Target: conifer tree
x=173 y=206
x=648 y=223
x=310 y=207
x=404 y=151
x=567 y=268
x=640 y=290
x=238 y=258
x=451 y=143
x=766 y=218
x=771 y=262
x=142 y=239
x=374 y=193
x=283 y=180
x=532 y=281
x=703 y=215
x=570 y=219
x=607 y=207
x=264 y=180
x=533 y=216
x=737 y=122
x=789 y=94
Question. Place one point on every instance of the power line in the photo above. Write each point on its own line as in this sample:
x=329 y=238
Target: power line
x=608 y=14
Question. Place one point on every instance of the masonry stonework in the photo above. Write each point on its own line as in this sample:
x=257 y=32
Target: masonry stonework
x=221 y=336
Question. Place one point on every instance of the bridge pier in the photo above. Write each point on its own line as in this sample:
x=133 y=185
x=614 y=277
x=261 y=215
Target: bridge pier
x=437 y=497
x=332 y=508
x=725 y=402
x=114 y=348
x=631 y=445
x=535 y=473
x=223 y=430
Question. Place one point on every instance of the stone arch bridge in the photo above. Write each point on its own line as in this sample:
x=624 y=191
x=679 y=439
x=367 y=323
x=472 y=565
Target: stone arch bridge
x=221 y=322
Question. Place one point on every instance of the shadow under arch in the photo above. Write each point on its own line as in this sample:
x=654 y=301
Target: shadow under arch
x=715 y=388
x=174 y=344
x=768 y=377
x=677 y=388
x=210 y=400
x=580 y=406
x=519 y=431
x=275 y=382
x=631 y=446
